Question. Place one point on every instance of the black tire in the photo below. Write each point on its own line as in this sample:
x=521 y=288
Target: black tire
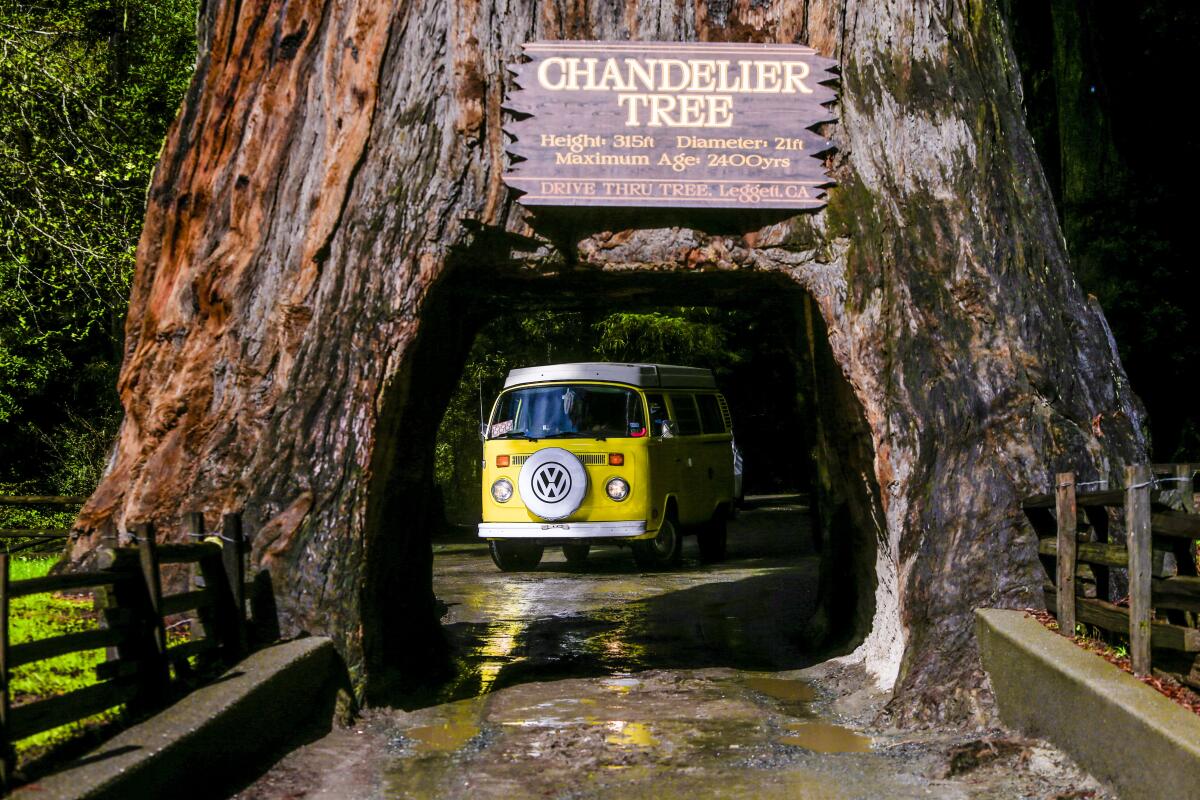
x=664 y=550
x=576 y=554
x=712 y=539
x=515 y=556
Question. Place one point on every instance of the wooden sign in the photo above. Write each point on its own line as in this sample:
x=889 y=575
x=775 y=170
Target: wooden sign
x=683 y=125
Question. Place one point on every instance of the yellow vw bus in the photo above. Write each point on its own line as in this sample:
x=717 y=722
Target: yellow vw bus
x=599 y=453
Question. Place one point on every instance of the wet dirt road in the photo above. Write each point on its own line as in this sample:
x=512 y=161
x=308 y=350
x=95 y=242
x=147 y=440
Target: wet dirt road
x=605 y=681
x=610 y=618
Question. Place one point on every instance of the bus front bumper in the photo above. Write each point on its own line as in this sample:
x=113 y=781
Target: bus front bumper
x=633 y=529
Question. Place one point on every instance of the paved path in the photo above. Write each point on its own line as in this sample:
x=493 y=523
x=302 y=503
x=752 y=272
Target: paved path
x=609 y=682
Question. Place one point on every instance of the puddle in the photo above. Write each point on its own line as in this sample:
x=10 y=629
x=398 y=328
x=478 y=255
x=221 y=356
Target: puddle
x=452 y=733
x=630 y=734
x=619 y=685
x=444 y=738
x=559 y=713
x=821 y=737
x=537 y=722
x=789 y=691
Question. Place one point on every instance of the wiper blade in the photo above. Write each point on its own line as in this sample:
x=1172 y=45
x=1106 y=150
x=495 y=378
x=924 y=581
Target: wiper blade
x=512 y=435
x=565 y=435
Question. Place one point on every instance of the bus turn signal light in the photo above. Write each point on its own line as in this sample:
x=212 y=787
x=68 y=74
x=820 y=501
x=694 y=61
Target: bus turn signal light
x=616 y=459
x=501 y=461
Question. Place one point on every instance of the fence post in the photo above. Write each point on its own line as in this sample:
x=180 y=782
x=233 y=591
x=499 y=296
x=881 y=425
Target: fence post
x=1184 y=549
x=1184 y=473
x=155 y=649
x=1097 y=517
x=7 y=760
x=1064 y=493
x=222 y=624
x=148 y=558
x=193 y=526
x=233 y=553
x=1137 y=530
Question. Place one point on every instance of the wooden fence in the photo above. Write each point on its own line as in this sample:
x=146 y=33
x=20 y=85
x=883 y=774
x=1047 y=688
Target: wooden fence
x=142 y=669
x=1158 y=558
x=15 y=540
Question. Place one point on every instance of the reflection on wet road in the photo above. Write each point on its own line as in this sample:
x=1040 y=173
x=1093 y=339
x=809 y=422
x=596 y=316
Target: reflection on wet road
x=608 y=618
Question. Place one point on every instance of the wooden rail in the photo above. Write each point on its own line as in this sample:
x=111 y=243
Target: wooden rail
x=37 y=538
x=1157 y=556
x=42 y=500
x=133 y=613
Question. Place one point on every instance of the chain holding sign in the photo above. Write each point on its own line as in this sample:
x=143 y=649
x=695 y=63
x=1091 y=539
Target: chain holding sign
x=681 y=125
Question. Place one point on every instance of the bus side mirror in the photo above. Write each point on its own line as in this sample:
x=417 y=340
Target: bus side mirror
x=483 y=431
x=670 y=429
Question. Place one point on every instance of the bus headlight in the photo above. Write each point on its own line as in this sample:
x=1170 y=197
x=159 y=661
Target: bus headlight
x=617 y=489
x=502 y=490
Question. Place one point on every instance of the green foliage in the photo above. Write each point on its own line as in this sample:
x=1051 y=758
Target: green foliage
x=694 y=335
x=87 y=90
x=29 y=517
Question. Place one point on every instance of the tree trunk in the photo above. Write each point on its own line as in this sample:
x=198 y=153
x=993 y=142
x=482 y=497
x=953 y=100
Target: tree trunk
x=328 y=220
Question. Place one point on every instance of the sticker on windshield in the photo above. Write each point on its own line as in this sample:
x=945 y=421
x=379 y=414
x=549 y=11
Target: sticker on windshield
x=501 y=428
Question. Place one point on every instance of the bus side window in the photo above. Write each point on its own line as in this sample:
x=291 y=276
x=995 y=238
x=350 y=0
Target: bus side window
x=686 y=415
x=711 y=418
x=658 y=413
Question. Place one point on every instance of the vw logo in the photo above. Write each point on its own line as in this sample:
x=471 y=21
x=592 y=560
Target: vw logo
x=551 y=482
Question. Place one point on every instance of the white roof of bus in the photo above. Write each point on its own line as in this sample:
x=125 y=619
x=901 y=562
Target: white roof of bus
x=650 y=376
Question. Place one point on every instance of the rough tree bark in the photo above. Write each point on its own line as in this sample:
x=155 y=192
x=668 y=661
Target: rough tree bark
x=295 y=323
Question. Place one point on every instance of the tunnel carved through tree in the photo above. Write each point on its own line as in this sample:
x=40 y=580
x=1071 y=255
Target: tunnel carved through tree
x=291 y=327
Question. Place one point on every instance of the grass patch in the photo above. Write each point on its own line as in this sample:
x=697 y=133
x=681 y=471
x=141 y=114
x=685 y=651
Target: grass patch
x=43 y=616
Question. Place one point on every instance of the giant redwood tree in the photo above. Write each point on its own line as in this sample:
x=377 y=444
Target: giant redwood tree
x=327 y=229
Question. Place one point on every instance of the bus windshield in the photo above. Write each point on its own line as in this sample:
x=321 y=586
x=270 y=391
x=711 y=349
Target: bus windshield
x=568 y=411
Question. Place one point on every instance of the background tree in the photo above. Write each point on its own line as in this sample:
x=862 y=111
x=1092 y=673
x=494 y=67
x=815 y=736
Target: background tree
x=1105 y=101
x=87 y=90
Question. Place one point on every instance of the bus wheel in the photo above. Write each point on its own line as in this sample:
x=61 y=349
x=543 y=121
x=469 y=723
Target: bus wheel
x=664 y=550
x=712 y=539
x=576 y=554
x=515 y=556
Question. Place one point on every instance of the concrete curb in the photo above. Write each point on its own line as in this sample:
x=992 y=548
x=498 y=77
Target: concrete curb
x=1116 y=727
x=215 y=733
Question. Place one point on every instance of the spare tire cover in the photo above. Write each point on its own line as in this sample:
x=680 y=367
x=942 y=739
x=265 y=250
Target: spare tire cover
x=552 y=483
